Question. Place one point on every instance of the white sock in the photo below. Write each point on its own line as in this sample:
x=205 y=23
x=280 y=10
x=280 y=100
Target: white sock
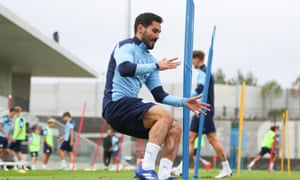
x=271 y=165
x=203 y=161
x=251 y=164
x=33 y=167
x=164 y=170
x=225 y=165
x=71 y=165
x=63 y=162
x=16 y=159
x=150 y=156
x=180 y=165
x=44 y=166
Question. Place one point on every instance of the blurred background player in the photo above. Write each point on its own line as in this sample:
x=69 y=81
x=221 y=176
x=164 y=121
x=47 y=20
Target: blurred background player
x=266 y=147
x=209 y=125
x=107 y=146
x=48 y=142
x=19 y=135
x=67 y=141
x=34 y=144
x=115 y=140
x=178 y=170
x=5 y=126
x=202 y=160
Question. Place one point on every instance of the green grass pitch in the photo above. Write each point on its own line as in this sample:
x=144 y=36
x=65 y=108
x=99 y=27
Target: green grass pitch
x=126 y=175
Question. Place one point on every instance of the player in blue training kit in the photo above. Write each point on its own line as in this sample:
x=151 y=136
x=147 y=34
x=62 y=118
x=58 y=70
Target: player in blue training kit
x=5 y=126
x=130 y=66
x=209 y=126
x=67 y=141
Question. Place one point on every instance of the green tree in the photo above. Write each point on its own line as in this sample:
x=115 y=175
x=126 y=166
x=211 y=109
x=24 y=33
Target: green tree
x=295 y=91
x=269 y=91
x=219 y=77
x=249 y=78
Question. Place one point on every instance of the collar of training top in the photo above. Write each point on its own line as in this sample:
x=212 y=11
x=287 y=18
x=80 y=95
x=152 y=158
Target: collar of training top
x=140 y=43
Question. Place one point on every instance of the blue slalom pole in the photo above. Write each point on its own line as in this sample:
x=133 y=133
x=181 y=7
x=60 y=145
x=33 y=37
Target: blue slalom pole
x=205 y=94
x=187 y=82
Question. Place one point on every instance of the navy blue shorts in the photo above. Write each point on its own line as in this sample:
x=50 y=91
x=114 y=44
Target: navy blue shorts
x=65 y=146
x=115 y=154
x=126 y=116
x=209 y=125
x=34 y=154
x=3 y=143
x=15 y=146
x=264 y=150
x=47 y=149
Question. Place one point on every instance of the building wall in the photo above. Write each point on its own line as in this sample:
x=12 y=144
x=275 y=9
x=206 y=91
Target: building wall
x=54 y=99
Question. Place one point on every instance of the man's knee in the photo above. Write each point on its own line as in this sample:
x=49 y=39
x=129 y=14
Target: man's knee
x=168 y=119
x=177 y=129
x=192 y=137
x=212 y=139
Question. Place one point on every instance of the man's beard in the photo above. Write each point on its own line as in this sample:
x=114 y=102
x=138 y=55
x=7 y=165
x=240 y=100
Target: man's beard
x=147 y=40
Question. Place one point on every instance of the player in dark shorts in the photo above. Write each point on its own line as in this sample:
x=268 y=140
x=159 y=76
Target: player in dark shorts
x=5 y=126
x=209 y=126
x=131 y=65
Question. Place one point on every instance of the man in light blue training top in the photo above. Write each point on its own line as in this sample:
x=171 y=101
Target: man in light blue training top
x=19 y=135
x=5 y=126
x=131 y=65
x=67 y=141
x=115 y=141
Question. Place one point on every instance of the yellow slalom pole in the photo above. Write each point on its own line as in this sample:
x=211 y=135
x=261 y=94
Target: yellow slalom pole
x=282 y=141
x=242 y=103
x=288 y=141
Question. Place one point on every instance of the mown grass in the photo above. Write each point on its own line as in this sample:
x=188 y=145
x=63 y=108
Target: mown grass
x=126 y=175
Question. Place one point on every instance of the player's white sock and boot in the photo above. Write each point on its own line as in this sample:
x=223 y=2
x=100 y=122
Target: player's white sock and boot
x=63 y=164
x=44 y=166
x=177 y=170
x=146 y=171
x=250 y=165
x=226 y=170
x=164 y=171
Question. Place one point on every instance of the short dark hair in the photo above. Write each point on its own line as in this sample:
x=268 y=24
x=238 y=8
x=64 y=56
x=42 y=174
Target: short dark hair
x=12 y=110
x=146 y=19
x=199 y=54
x=274 y=128
x=66 y=114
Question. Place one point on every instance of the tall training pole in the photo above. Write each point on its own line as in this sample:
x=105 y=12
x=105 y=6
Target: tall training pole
x=282 y=141
x=78 y=135
x=98 y=144
x=205 y=97
x=241 y=125
x=288 y=141
x=187 y=82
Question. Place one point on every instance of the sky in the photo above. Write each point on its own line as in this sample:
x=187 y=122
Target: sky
x=261 y=36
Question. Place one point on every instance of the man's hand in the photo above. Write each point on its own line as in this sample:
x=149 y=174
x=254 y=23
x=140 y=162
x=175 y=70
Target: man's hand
x=60 y=139
x=165 y=64
x=71 y=143
x=196 y=106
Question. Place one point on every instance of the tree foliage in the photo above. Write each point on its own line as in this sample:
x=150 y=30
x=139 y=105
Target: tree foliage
x=270 y=91
x=249 y=78
x=220 y=77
